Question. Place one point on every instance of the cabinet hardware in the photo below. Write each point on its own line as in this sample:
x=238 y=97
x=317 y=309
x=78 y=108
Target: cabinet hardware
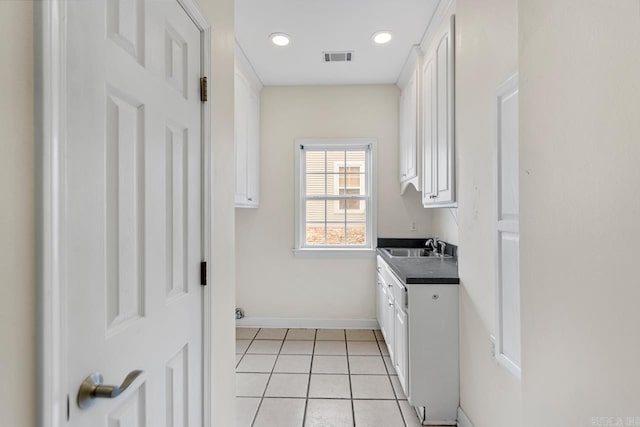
x=203 y=89
x=250 y=199
x=203 y=273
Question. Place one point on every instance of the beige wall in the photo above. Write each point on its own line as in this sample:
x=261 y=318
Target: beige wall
x=17 y=303
x=445 y=224
x=580 y=210
x=17 y=290
x=275 y=283
x=486 y=55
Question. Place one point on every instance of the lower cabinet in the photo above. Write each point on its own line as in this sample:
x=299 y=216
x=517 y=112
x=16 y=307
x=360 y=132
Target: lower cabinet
x=400 y=345
x=420 y=327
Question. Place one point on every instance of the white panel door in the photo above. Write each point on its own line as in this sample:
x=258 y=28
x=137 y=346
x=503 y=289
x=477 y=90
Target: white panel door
x=133 y=211
x=507 y=229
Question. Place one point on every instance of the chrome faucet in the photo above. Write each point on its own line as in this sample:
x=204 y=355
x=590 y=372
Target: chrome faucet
x=442 y=245
x=431 y=243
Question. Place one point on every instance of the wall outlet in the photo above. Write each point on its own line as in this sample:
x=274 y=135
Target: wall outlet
x=413 y=226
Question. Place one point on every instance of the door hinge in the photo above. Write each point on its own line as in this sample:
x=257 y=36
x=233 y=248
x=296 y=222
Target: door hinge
x=68 y=408
x=203 y=273
x=203 y=89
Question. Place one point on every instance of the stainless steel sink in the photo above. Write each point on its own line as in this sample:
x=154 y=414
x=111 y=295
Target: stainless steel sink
x=412 y=253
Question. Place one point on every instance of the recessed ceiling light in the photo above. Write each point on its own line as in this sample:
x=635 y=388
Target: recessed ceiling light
x=280 y=39
x=382 y=37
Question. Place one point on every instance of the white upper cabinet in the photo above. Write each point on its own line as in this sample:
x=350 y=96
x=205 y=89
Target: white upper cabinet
x=409 y=153
x=438 y=139
x=247 y=134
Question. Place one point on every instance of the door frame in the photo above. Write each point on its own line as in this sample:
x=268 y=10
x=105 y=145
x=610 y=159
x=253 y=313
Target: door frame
x=50 y=39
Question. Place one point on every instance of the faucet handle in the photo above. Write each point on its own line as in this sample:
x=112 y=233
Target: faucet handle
x=442 y=245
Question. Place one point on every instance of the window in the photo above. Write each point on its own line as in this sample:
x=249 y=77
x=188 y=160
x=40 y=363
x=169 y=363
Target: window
x=349 y=182
x=334 y=195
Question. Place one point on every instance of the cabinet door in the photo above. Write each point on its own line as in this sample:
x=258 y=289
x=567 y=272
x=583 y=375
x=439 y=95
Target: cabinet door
x=411 y=164
x=402 y=158
x=429 y=164
x=253 y=155
x=444 y=131
x=400 y=346
x=389 y=314
x=438 y=139
x=409 y=130
x=241 y=137
x=380 y=301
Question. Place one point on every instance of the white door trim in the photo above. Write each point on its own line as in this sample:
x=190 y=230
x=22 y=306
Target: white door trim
x=50 y=106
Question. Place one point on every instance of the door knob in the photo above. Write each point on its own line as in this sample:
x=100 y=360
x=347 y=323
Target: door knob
x=92 y=388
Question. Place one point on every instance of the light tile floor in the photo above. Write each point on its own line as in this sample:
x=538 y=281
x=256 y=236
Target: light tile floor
x=317 y=378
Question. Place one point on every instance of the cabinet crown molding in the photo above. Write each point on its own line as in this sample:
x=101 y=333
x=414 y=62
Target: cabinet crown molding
x=246 y=68
x=413 y=61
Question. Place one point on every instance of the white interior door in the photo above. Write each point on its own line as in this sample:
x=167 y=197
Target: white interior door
x=133 y=209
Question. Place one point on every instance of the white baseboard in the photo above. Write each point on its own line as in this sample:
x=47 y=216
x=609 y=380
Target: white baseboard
x=463 y=420
x=286 y=322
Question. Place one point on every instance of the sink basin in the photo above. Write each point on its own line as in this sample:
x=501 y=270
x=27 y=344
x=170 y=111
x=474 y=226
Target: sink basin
x=412 y=253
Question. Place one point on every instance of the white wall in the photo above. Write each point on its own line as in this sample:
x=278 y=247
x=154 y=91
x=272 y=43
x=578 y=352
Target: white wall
x=17 y=290
x=271 y=282
x=580 y=210
x=221 y=16
x=445 y=224
x=486 y=54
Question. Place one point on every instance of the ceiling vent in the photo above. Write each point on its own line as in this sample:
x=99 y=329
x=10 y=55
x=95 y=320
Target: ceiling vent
x=337 y=56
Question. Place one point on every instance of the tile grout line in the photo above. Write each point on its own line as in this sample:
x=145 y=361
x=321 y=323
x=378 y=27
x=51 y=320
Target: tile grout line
x=346 y=345
x=391 y=382
x=265 y=388
x=264 y=392
x=306 y=401
x=244 y=353
x=307 y=397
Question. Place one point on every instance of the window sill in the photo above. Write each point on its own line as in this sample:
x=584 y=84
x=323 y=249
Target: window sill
x=334 y=253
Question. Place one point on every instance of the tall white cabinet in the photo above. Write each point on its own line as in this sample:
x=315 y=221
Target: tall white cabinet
x=247 y=134
x=427 y=119
x=409 y=147
x=438 y=119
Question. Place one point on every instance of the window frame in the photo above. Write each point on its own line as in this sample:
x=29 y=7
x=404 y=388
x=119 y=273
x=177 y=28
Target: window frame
x=301 y=249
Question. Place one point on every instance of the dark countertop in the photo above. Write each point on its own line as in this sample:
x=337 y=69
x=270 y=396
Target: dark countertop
x=412 y=271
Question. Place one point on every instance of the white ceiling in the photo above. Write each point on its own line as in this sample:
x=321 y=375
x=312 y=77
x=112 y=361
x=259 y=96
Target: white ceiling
x=316 y=26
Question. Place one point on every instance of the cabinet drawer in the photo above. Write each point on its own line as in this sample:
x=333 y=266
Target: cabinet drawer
x=397 y=290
